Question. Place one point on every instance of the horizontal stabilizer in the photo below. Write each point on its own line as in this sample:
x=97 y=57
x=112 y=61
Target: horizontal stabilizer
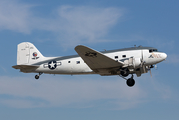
x=25 y=66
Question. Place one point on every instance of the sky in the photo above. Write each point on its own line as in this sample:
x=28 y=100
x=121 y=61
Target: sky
x=55 y=27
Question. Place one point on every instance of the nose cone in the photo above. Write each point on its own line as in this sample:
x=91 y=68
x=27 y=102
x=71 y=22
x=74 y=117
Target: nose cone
x=164 y=56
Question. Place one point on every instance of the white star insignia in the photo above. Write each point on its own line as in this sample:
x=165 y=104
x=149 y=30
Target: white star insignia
x=52 y=65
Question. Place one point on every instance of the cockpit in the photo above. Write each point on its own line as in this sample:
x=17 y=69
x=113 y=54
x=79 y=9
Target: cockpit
x=153 y=50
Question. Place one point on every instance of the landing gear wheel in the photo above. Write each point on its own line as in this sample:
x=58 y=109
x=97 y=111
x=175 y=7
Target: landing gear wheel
x=125 y=72
x=130 y=82
x=36 y=76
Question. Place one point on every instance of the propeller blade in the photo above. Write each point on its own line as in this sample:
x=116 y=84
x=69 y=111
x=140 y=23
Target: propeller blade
x=156 y=67
x=144 y=68
x=142 y=56
x=150 y=73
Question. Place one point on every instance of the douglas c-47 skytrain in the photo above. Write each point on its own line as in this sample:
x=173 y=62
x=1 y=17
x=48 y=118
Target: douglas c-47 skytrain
x=122 y=62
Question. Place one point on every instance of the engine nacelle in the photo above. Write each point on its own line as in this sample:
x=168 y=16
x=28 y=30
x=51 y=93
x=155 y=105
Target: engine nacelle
x=136 y=62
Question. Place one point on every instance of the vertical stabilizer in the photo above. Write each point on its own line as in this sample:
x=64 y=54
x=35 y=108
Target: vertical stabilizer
x=28 y=54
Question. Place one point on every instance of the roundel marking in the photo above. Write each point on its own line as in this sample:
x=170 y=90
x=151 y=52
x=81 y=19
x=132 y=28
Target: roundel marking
x=52 y=65
x=35 y=54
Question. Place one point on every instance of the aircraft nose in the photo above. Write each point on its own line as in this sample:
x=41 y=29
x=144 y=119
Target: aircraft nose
x=164 y=56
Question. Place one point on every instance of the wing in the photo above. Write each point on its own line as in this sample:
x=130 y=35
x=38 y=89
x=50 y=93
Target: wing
x=96 y=60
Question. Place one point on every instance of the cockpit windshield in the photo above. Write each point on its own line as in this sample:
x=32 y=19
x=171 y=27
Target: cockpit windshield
x=153 y=50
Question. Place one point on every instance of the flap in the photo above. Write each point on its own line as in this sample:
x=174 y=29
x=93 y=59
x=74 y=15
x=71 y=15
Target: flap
x=96 y=60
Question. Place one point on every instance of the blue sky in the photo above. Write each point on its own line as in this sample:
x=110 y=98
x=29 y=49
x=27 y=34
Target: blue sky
x=55 y=27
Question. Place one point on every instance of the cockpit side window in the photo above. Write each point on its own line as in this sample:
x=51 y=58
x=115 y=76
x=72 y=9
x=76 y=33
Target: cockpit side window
x=155 y=50
x=152 y=50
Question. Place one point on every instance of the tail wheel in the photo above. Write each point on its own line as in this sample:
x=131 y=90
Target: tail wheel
x=36 y=76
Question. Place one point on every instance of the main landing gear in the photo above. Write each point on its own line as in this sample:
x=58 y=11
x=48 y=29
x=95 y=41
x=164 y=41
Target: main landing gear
x=37 y=76
x=130 y=82
x=124 y=73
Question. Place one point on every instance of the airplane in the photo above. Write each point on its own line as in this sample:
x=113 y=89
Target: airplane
x=122 y=62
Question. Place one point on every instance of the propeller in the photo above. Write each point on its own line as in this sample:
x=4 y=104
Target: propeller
x=150 y=67
x=156 y=67
x=142 y=65
x=150 y=72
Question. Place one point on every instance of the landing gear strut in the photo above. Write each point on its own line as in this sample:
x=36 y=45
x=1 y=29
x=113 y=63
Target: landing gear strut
x=37 y=76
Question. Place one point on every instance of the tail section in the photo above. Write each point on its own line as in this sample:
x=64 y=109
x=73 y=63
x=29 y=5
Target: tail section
x=28 y=54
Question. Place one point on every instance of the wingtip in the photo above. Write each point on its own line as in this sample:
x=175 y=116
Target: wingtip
x=78 y=46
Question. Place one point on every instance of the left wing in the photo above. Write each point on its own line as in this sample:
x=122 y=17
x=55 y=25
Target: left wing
x=96 y=60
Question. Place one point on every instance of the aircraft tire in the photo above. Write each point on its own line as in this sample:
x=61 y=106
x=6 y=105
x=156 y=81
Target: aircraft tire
x=130 y=82
x=36 y=76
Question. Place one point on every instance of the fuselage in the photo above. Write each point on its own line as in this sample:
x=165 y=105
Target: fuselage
x=132 y=57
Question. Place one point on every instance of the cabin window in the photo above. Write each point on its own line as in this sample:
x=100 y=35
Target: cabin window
x=77 y=62
x=69 y=61
x=123 y=56
x=116 y=57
